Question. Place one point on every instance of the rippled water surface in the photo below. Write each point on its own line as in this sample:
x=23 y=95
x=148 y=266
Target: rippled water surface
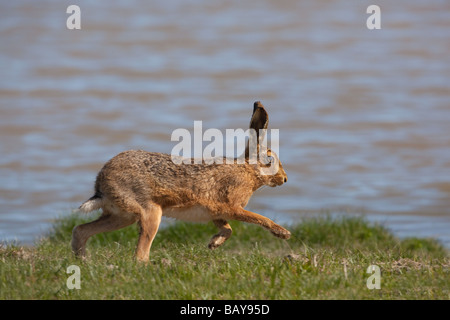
x=363 y=114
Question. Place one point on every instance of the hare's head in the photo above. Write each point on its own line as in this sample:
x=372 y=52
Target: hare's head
x=269 y=165
x=271 y=169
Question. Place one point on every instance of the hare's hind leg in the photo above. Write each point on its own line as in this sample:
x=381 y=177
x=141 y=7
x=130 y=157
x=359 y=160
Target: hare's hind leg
x=106 y=222
x=224 y=233
x=149 y=223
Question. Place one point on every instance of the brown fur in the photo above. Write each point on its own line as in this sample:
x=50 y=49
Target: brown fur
x=143 y=186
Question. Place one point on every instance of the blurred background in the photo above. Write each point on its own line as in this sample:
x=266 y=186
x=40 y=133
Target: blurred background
x=363 y=114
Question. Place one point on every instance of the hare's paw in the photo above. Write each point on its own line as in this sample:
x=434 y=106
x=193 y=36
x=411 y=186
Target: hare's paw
x=214 y=244
x=216 y=241
x=223 y=235
x=280 y=232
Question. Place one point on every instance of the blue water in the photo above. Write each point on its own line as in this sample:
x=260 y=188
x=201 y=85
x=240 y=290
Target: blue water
x=363 y=115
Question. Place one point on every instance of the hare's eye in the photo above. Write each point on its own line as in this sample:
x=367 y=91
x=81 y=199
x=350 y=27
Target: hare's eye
x=270 y=159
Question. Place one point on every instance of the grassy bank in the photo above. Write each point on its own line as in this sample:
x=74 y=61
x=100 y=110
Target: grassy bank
x=325 y=259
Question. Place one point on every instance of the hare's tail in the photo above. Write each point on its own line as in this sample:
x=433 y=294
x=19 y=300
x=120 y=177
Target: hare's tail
x=94 y=203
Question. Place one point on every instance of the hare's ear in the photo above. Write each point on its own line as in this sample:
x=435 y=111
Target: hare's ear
x=260 y=118
x=259 y=121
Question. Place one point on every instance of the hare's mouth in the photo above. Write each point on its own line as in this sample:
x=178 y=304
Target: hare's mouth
x=274 y=184
x=277 y=182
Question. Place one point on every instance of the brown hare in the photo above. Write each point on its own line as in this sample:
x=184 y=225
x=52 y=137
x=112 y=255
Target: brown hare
x=143 y=186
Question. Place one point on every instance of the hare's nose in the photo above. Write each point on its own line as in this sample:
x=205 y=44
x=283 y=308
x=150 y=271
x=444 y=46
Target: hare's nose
x=285 y=179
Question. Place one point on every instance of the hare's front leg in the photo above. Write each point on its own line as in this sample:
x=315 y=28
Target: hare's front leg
x=224 y=233
x=149 y=221
x=251 y=217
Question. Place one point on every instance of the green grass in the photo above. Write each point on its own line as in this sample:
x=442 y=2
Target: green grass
x=325 y=259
